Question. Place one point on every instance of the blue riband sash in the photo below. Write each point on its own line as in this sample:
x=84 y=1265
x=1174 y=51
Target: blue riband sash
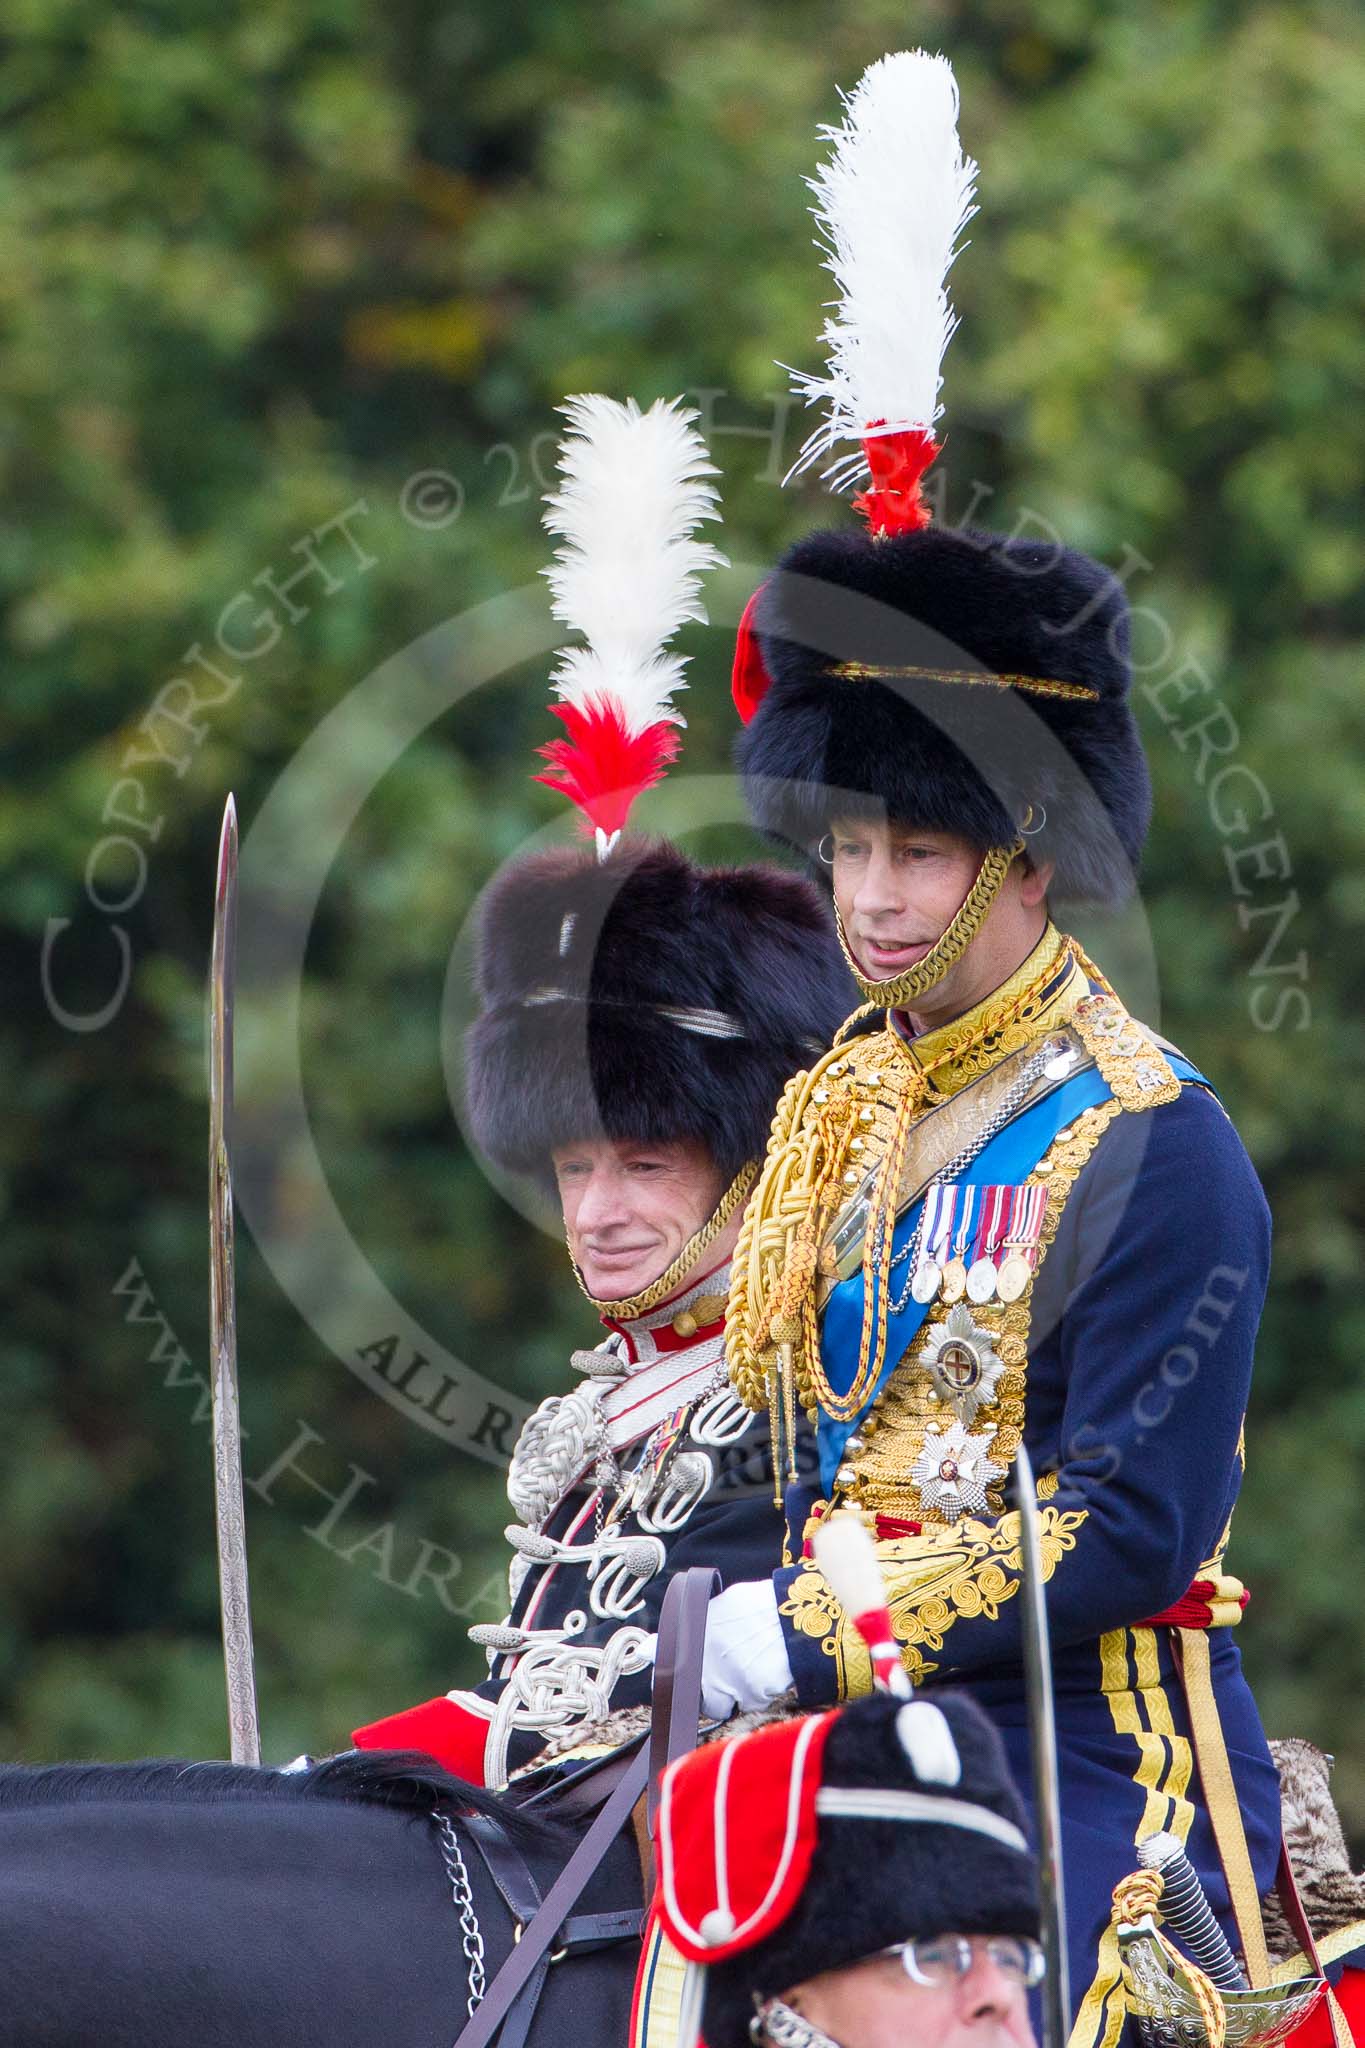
x=1008 y=1159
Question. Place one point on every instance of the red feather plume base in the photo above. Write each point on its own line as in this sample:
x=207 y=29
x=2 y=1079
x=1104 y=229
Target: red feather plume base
x=603 y=766
x=892 y=502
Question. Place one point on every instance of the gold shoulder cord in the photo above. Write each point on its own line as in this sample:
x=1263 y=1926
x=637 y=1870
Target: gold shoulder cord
x=772 y=1294
x=815 y=1138
x=812 y=1167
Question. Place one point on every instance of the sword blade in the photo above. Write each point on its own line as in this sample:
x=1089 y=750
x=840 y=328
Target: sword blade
x=1042 y=1723
x=229 y=1506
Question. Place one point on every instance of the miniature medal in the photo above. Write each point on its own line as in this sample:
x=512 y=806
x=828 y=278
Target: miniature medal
x=996 y=1205
x=1021 y=1245
x=981 y=1280
x=1013 y=1277
x=927 y=1278
x=955 y=1272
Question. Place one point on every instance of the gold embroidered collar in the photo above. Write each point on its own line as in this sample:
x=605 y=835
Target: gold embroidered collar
x=1039 y=996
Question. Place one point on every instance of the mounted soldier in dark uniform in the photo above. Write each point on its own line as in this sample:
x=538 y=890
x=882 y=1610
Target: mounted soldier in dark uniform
x=639 y=1018
x=1000 y=1207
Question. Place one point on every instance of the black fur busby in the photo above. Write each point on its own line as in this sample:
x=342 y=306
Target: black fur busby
x=645 y=999
x=875 y=1882
x=952 y=755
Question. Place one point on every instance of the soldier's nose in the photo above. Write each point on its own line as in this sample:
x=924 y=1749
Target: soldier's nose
x=986 y=1992
x=602 y=1204
x=878 y=889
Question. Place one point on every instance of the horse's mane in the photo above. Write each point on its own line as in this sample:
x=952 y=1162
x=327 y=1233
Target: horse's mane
x=403 y=1779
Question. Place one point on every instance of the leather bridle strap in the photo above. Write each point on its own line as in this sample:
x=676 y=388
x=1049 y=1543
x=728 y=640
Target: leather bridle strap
x=682 y=1636
x=677 y=1673
x=1287 y=1887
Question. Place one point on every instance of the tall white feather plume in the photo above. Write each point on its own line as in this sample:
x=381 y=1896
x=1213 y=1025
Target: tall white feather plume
x=633 y=487
x=891 y=203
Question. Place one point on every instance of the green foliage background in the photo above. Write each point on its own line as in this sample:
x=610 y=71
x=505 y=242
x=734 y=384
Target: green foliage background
x=263 y=259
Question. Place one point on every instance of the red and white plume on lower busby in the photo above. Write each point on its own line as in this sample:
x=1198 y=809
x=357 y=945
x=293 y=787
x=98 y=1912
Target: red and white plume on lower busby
x=634 y=487
x=891 y=203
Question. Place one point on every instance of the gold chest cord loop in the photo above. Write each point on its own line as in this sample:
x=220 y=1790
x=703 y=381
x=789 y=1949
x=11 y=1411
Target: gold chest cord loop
x=818 y=1131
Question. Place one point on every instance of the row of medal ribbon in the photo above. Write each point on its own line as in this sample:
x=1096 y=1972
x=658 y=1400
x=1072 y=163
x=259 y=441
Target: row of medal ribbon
x=978 y=1240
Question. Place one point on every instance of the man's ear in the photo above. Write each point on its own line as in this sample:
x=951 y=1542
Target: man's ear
x=1035 y=879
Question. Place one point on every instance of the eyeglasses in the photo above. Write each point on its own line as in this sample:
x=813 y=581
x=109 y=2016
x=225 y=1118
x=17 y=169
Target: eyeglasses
x=946 y=1957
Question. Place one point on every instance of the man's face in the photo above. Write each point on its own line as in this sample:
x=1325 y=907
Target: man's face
x=630 y=1209
x=875 y=2005
x=897 y=890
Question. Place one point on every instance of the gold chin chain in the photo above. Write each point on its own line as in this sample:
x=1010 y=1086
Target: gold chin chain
x=632 y=1306
x=904 y=989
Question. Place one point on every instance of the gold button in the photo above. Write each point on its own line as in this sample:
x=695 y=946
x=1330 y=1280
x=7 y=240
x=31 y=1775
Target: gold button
x=867 y=1116
x=836 y=1070
x=857 y=1145
x=685 y=1323
x=820 y=1095
x=850 y=1179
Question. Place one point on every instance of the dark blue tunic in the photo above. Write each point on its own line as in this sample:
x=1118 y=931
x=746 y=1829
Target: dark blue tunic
x=1145 y=1312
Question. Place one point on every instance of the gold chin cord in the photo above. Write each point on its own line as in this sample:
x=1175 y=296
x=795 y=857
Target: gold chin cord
x=905 y=989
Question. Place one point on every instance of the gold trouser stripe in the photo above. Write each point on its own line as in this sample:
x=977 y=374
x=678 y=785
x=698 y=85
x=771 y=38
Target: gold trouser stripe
x=1158 y=1712
x=1164 y=1767
x=1220 y=1796
x=662 y=1971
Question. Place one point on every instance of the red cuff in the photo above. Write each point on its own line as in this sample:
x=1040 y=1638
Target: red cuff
x=1196 y=1608
x=441 y=1728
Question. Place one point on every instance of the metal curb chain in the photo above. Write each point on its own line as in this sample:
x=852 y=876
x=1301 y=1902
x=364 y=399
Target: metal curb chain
x=461 y=1892
x=1010 y=1101
x=777 y=2023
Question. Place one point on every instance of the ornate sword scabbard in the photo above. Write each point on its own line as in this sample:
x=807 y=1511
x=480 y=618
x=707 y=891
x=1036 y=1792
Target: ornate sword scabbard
x=229 y=1506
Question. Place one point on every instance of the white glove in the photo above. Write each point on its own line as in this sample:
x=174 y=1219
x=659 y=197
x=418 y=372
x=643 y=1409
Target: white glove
x=746 y=1662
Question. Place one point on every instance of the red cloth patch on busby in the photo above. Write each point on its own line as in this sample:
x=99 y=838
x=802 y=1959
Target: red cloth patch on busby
x=737 y=1830
x=749 y=678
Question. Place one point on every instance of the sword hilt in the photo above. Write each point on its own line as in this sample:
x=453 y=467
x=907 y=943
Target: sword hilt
x=1187 y=1913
